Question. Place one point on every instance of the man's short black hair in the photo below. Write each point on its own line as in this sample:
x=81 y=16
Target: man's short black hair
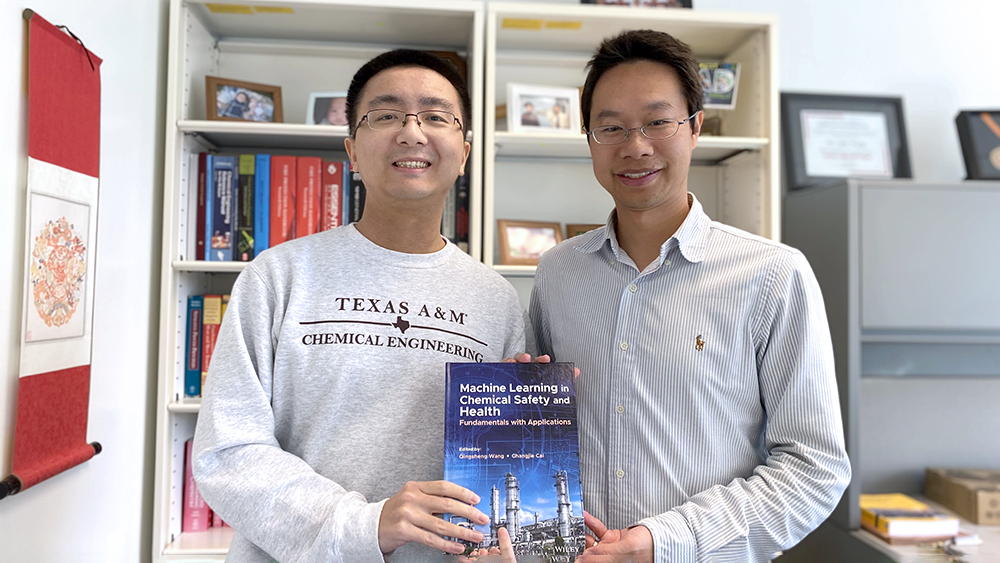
x=644 y=45
x=405 y=58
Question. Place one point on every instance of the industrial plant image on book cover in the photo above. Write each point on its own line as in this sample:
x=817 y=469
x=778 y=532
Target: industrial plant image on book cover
x=511 y=437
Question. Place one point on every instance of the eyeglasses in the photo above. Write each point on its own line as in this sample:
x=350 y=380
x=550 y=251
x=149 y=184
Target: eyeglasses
x=394 y=120
x=655 y=130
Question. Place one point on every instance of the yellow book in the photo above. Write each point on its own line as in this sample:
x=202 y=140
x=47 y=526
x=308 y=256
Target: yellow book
x=898 y=516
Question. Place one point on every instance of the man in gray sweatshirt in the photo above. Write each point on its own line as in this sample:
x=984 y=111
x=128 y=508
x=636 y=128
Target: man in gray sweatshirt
x=320 y=434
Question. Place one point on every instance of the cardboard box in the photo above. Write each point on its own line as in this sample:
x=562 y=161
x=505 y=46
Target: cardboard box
x=972 y=493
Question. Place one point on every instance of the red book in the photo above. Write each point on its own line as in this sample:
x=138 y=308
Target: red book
x=331 y=195
x=195 y=512
x=211 y=319
x=282 y=199
x=309 y=175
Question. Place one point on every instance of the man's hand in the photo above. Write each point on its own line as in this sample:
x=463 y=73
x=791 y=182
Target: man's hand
x=410 y=516
x=503 y=554
x=543 y=359
x=632 y=545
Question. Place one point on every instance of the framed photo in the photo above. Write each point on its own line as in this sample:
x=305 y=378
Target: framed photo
x=573 y=230
x=719 y=82
x=327 y=108
x=232 y=100
x=523 y=242
x=979 y=133
x=828 y=138
x=547 y=109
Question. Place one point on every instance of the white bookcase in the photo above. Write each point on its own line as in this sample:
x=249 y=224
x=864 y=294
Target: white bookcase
x=548 y=177
x=303 y=46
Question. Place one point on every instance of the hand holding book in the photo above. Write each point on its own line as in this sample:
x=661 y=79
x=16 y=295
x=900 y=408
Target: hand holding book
x=411 y=516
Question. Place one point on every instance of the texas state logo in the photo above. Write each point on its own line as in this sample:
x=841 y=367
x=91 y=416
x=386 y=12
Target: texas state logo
x=58 y=267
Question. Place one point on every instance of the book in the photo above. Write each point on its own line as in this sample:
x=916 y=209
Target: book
x=282 y=227
x=194 y=515
x=356 y=198
x=972 y=493
x=211 y=319
x=330 y=195
x=308 y=178
x=462 y=213
x=261 y=203
x=448 y=213
x=224 y=186
x=896 y=515
x=192 y=346
x=205 y=195
x=245 y=210
x=511 y=437
x=190 y=206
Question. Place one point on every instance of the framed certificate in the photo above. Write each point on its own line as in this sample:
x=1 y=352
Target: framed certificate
x=828 y=138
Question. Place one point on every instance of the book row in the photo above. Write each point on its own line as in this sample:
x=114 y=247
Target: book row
x=196 y=515
x=245 y=204
x=204 y=316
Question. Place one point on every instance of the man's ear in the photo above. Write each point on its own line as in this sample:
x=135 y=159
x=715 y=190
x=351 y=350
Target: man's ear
x=349 y=147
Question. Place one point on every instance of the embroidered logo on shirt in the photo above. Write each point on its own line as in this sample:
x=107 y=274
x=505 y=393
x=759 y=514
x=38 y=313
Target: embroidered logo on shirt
x=699 y=343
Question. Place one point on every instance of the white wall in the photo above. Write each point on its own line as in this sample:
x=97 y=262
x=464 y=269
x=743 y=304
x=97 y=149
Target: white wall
x=100 y=511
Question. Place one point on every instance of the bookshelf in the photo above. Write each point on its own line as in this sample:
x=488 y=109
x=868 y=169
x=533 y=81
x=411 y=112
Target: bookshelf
x=735 y=176
x=304 y=46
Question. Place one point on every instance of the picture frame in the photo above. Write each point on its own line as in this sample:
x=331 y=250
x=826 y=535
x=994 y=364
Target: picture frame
x=577 y=229
x=979 y=135
x=235 y=100
x=831 y=137
x=522 y=243
x=720 y=83
x=543 y=109
x=327 y=108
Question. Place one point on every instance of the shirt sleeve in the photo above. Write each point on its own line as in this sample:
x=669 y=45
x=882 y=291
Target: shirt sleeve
x=806 y=469
x=269 y=496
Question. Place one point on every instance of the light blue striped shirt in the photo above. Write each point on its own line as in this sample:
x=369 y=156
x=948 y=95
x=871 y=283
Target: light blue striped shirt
x=708 y=405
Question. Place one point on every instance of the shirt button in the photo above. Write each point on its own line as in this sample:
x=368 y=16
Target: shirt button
x=633 y=288
x=619 y=409
x=620 y=474
x=623 y=346
x=666 y=262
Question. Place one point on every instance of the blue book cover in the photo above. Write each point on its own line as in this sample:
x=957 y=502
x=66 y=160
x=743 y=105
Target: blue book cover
x=262 y=204
x=192 y=346
x=511 y=437
x=209 y=196
x=224 y=180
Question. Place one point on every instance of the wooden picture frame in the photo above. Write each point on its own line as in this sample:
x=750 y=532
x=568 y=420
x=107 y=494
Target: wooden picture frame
x=829 y=137
x=234 y=100
x=522 y=243
x=577 y=229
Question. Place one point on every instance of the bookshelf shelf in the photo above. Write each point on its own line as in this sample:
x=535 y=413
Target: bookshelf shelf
x=207 y=266
x=238 y=134
x=212 y=542
x=710 y=150
x=187 y=405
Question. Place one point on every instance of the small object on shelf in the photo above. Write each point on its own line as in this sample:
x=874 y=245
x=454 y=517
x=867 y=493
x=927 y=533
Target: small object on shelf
x=972 y=493
x=234 y=100
x=543 y=109
x=829 y=137
x=896 y=517
x=327 y=108
x=979 y=133
x=522 y=243
x=719 y=84
x=712 y=126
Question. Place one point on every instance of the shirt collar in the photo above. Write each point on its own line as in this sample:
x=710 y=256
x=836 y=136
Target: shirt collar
x=691 y=237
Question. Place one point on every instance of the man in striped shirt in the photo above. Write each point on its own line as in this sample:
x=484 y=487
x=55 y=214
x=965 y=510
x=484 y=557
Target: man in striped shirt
x=709 y=417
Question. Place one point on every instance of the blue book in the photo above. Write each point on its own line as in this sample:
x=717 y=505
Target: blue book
x=511 y=437
x=262 y=204
x=345 y=203
x=224 y=185
x=209 y=196
x=192 y=346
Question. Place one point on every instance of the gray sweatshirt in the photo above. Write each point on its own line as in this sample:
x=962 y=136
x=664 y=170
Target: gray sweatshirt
x=325 y=393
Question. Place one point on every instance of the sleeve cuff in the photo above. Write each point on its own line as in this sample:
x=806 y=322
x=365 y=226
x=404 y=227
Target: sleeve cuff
x=672 y=538
x=359 y=532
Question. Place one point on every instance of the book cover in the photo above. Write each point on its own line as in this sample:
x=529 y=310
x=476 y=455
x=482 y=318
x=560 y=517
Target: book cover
x=899 y=515
x=245 y=210
x=192 y=347
x=357 y=198
x=194 y=515
x=308 y=177
x=282 y=227
x=211 y=319
x=190 y=206
x=205 y=195
x=511 y=437
x=261 y=203
x=224 y=186
x=330 y=195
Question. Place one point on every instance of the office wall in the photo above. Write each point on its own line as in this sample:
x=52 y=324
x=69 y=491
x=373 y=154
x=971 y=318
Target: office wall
x=100 y=511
